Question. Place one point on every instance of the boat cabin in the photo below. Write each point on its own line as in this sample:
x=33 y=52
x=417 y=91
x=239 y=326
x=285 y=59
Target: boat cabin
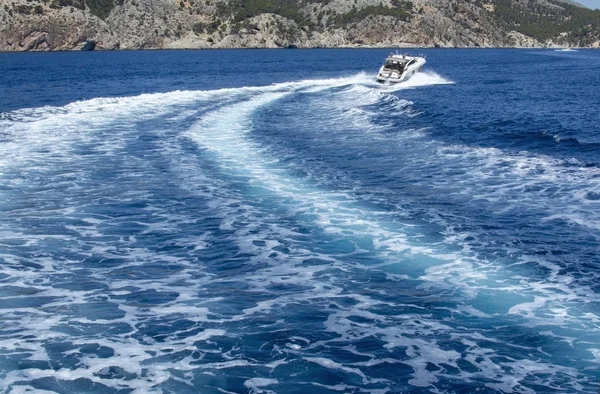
x=396 y=63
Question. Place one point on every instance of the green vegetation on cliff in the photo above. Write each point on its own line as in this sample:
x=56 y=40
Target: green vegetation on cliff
x=556 y=21
x=102 y=8
x=241 y=10
x=244 y=9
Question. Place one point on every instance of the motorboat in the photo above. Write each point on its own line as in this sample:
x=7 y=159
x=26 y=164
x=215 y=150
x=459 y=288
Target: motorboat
x=399 y=68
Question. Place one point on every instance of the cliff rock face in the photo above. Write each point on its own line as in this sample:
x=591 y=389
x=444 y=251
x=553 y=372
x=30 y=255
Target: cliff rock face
x=138 y=24
x=23 y=28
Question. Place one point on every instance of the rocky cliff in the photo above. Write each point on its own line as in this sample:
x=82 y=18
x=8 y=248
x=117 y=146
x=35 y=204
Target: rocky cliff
x=137 y=24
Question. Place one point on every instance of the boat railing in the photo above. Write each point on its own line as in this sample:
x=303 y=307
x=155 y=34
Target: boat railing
x=409 y=54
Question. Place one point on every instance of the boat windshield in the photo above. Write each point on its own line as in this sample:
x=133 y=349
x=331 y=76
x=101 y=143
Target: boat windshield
x=394 y=65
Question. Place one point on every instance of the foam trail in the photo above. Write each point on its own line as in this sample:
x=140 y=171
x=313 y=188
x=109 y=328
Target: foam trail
x=224 y=133
x=106 y=129
x=420 y=79
x=32 y=134
x=363 y=294
x=339 y=214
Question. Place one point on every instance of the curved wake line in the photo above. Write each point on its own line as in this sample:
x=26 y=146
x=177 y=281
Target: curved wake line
x=25 y=132
x=31 y=134
x=157 y=101
x=224 y=134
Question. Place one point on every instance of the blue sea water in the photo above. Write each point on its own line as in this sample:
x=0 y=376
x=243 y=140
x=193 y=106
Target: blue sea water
x=274 y=221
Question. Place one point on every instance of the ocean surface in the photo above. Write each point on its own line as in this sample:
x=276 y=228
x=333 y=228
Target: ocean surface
x=274 y=221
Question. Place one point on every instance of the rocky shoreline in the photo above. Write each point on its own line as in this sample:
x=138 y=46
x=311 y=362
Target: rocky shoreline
x=170 y=24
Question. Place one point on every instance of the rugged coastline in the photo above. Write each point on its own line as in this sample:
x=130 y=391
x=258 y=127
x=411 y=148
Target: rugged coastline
x=45 y=25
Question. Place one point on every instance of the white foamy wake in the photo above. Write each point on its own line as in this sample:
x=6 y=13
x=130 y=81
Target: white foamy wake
x=326 y=275
x=490 y=174
x=40 y=145
x=420 y=79
x=56 y=135
x=224 y=133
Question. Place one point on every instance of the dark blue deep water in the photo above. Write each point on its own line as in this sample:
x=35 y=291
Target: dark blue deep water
x=261 y=221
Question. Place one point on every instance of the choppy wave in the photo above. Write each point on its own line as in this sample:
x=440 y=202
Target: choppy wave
x=298 y=236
